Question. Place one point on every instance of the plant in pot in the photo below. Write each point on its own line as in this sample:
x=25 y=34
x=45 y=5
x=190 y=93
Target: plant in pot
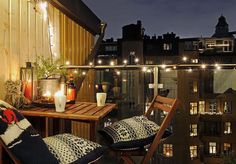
x=48 y=74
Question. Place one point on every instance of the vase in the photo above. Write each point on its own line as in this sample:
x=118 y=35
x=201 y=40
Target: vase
x=105 y=86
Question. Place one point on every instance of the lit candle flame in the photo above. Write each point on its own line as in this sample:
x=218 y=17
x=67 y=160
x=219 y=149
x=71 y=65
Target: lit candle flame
x=47 y=94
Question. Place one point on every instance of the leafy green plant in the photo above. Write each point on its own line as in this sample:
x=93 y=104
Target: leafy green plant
x=47 y=68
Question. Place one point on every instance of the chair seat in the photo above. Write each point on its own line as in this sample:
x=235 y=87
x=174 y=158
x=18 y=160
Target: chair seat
x=68 y=148
x=132 y=133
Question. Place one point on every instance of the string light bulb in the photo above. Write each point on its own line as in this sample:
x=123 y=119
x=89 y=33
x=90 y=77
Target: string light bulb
x=112 y=63
x=125 y=61
x=203 y=66
x=149 y=70
x=174 y=67
x=83 y=73
x=163 y=66
x=190 y=70
x=167 y=70
x=75 y=71
x=184 y=58
x=90 y=63
x=67 y=62
x=136 y=60
x=99 y=61
x=118 y=72
x=43 y=6
x=144 y=69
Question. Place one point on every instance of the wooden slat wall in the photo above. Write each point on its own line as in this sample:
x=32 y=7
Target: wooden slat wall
x=24 y=36
x=76 y=44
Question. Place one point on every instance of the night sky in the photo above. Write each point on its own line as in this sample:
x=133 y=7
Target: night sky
x=186 y=18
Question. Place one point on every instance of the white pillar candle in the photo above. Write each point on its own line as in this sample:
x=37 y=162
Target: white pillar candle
x=60 y=101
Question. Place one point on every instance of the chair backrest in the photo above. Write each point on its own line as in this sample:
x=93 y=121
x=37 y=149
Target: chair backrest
x=169 y=105
x=11 y=155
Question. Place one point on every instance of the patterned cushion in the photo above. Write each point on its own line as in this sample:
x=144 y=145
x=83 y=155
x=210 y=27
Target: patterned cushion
x=21 y=138
x=131 y=133
x=68 y=148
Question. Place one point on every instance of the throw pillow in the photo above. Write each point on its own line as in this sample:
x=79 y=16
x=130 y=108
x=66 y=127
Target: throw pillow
x=68 y=148
x=132 y=133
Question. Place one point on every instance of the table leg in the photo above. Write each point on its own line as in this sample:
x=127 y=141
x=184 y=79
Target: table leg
x=85 y=130
x=46 y=126
x=93 y=130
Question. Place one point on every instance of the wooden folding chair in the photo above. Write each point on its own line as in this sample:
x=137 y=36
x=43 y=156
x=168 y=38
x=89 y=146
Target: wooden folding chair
x=11 y=155
x=168 y=105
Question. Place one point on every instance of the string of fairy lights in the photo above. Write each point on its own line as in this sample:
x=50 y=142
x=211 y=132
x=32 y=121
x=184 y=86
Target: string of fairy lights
x=189 y=67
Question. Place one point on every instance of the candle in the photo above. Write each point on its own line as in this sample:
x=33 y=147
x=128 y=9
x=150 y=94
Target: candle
x=47 y=96
x=28 y=90
x=60 y=101
x=71 y=94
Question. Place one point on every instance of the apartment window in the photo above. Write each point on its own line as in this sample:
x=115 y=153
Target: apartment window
x=193 y=129
x=212 y=147
x=228 y=128
x=168 y=150
x=111 y=48
x=227 y=46
x=227 y=107
x=194 y=60
x=212 y=106
x=193 y=87
x=193 y=151
x=167 y=46
x=227 y=147
x=201 y=106
x=193 y=108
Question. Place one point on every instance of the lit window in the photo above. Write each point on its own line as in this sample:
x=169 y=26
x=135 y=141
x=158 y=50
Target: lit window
x=194 y=60
x=111 y=48
x=212 y=106
x=227 y=46
x=193 y=129
x=168 y=150
x=227 y=107
x=228 y=129
x=193 y=108
x=167 y=46
x=227 y=147
x=201 y=106
x=193 y=151
x=193 y=86
x=212 y=147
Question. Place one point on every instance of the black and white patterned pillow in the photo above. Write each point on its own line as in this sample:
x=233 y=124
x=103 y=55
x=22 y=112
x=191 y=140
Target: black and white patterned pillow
x=21 y=138
x=131 y=133
x=68 y=148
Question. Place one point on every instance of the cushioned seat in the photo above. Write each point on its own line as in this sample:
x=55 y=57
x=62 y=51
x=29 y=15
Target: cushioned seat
x=132 y=133
x=68 y=148
x=25 y=145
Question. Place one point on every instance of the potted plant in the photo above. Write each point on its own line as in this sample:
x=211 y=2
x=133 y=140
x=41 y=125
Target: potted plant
x=48 y=73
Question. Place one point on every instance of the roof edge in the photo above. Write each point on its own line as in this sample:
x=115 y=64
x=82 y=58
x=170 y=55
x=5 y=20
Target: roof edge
x=80 y=13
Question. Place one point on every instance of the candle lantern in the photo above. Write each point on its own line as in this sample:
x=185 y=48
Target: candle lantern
x=71 y=91
x=26 y=76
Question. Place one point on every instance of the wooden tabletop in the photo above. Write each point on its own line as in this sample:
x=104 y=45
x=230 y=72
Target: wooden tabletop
x=79 y=111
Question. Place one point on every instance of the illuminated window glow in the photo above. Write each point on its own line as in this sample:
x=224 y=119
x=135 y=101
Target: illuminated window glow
x=168 y=150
